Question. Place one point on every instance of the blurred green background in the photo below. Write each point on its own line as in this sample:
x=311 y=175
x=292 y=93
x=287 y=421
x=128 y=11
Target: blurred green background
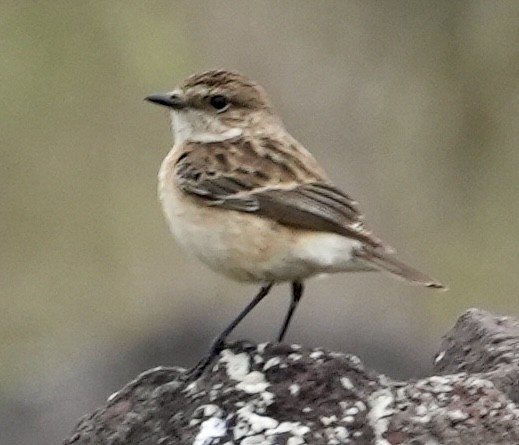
x=412 y=107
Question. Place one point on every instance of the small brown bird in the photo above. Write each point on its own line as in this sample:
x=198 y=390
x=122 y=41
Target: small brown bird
x=251 y=202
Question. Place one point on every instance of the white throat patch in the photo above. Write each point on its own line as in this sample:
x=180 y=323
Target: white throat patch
x=216 y=137
x=195 y=128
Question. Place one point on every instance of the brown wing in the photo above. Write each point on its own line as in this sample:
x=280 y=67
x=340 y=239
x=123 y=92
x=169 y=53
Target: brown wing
x=282 y=182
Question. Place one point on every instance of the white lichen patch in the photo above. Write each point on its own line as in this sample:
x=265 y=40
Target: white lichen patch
x=210 y=429
x=354 y=360
x=360 y=405
x=252 y=383
x=440 y=384
x=202 y=411
x=457 y=415
x=214 y=394
x=346 y=383
x=327 y=420
x=295 y=428
x=316 y=354
x=212 y=410
x=295 y=441
x=274 y=361
x=337 y=435
x=241 y=429
x=353 y=411
x=379 y=410
x=421 y=410
x=265 y=399
x=257 y=439
x=401 y=392
x=255 y=422
x=191 y=388
x=285 y=427
x=249 y=424
x=238 y=365
x=336 y=354
x=294 y=389
x=261 y=348
x=439 y=357
x=112 y=396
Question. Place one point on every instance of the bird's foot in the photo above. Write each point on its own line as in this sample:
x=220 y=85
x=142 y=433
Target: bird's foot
x=196 y=372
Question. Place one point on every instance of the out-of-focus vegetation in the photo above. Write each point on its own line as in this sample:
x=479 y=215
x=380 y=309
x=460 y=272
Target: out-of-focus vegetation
x=412 y=107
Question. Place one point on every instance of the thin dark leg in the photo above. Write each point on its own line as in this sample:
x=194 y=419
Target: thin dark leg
x=297 y=293
x=218 y=343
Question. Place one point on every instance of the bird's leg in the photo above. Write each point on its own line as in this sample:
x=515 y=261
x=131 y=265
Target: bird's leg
x=297 y=293
x=219 y=342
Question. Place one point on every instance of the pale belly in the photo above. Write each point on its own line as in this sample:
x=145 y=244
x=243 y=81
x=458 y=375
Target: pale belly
x=249 y=248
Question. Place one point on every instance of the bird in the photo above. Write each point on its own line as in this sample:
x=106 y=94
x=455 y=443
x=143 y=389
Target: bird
x=252 y=203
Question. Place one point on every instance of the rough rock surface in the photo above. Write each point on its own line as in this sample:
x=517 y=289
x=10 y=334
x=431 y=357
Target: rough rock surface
x=287 y=394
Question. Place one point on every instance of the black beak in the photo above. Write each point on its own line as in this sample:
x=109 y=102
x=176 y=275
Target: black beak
x=170 y=100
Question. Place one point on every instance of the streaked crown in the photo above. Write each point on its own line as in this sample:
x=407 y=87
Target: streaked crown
x=234 y=87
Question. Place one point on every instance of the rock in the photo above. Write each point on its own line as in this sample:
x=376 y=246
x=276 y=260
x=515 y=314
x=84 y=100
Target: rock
x=288 y=394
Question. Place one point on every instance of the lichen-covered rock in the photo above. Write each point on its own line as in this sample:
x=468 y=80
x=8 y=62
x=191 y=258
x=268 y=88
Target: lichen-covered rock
x=282 y=394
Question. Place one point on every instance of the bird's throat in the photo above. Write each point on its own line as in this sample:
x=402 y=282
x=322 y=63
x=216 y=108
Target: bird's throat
x=187 y=128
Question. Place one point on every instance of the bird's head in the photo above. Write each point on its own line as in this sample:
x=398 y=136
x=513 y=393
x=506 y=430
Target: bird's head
x=216 y=105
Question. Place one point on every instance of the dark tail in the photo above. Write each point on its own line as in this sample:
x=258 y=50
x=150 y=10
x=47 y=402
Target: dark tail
x=388 y=263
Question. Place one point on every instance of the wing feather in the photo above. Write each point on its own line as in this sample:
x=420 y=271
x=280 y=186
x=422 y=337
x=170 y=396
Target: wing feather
x=239 y=176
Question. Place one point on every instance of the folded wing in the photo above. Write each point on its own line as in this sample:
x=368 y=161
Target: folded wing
x=271 y=183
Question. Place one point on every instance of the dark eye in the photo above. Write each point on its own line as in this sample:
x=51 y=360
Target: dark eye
x=219 y=102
